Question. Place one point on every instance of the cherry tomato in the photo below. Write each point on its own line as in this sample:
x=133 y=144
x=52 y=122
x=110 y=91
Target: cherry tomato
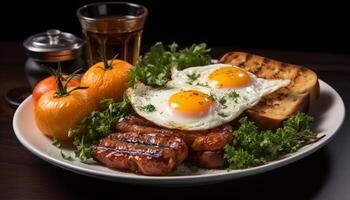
x=47 y=84
x=55 y=115
x=107 y=81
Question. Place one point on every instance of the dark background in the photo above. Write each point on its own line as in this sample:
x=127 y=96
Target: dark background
x=288 y=27
x=291 y=26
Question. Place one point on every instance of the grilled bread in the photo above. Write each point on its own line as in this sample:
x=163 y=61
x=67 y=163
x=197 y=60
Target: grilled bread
x=273 y=109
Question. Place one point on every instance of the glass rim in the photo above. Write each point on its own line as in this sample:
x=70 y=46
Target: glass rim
x=136 y=17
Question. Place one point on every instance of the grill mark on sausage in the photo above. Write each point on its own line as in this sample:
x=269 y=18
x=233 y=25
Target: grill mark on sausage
x=135 y=158
x=213 y=139
x=149 y=154
x=154 y=154
x=145 y=139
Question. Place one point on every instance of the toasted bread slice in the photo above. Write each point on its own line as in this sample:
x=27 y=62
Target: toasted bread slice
x=273 y=109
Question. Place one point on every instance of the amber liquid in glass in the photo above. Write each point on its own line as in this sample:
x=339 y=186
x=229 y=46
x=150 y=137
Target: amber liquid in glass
x=126 y=45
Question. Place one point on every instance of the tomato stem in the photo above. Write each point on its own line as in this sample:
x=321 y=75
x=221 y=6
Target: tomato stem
x=71 y=76
x=105 y=61
x=62 y=89
x=114 y=57
x=77 y=88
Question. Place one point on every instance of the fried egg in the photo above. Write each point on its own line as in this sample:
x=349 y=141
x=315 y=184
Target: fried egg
x=223 y=76
x=200 y=98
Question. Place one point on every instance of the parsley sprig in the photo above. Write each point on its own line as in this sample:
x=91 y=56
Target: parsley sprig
x=98 y=125
x=148 y=108
x=252 y=147
x=230 y=96
x=154 y=68
x=56 y=142
x=192 y=77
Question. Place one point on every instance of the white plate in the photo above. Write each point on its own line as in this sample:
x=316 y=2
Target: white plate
x=329 y=113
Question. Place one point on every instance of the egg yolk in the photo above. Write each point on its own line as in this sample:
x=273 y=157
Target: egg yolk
x=190 y=103
x=230 y=77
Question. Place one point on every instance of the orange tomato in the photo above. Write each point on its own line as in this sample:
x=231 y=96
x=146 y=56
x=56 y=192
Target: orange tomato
x=47 y=84
x=55 y=115
x=107 y=82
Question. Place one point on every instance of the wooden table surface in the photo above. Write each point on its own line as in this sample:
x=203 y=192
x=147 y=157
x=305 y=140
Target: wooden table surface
x=323 y=175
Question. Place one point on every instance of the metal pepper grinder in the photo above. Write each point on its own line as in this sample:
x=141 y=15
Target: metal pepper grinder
x=47 y=49
x=50 y=48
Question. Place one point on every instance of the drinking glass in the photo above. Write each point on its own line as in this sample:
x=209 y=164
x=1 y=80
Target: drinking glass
x=112 y=28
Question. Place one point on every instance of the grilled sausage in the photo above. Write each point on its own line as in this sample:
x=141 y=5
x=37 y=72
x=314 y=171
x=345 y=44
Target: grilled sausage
x=209 y=159
x=209 y=140
x=148 y=154
x=156 y=140
x=214 y=139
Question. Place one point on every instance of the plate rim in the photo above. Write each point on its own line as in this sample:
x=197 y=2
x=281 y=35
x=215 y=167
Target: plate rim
x=185 y=179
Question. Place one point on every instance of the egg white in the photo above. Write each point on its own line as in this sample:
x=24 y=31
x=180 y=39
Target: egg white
x=220 y=113
x=181 y=78
x=142 y=95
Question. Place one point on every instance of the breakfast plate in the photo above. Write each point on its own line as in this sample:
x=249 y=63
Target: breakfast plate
x=324 y=111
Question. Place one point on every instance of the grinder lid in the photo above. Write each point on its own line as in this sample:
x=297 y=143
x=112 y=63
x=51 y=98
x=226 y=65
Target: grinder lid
x=53 y=45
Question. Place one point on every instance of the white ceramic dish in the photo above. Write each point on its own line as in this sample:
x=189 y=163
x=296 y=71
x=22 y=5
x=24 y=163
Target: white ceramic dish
x=329 y=113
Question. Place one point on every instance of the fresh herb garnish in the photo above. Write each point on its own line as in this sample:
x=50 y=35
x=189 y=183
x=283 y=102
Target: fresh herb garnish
x=66 y=157
x=83 y=147
x=98 y=125
x=222 y=114
x=196 y=55
x=192 y=77
x=56 y=142
x=212 y=96
x=154 y=68
x=202 y=84
x=252 y=147
x=233 y=96
x=193 y=168
x=222 y=101
x=148 y=108
x=239 y=158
